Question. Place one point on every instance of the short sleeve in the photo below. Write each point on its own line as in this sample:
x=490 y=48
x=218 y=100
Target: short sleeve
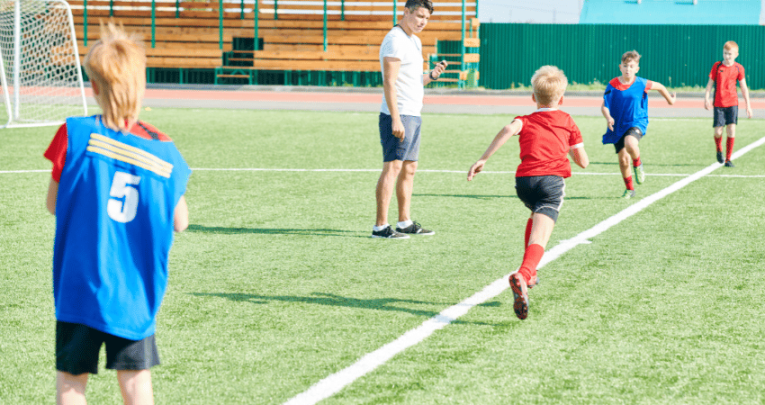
x=648 y=85
x=56 y=152
x=521 y=119
x=713 y=72
x=741 y=74
x=392 y=47
x=575 y=137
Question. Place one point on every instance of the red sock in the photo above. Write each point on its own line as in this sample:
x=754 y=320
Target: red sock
x=531 y=260
x=628 y=183
x=637 y=162
x=718 y=143
x=528 y=232
x=729 y=145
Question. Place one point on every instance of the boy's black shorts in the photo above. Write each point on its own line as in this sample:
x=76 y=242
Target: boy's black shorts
x=77 y=348
x=725 y=116
x=542 y=194
x=634 y=131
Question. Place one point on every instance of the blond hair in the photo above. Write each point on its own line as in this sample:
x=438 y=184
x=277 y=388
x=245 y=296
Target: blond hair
x=631 y=56
x=730 y=45
x=116 y=64
x=549 y=84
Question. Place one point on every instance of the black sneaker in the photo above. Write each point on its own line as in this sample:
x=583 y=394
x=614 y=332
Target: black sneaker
x=389 y=233
x=415 y=229
x=720 y=159
x=728 y=163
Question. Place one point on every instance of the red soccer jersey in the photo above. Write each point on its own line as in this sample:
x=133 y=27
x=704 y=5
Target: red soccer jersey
x=56 y=151
x=725 y=78
x=618 y=85
x=545 y=139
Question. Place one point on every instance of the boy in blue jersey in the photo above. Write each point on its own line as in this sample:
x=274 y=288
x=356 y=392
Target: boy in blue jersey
x=117 y=193
x=625 y=107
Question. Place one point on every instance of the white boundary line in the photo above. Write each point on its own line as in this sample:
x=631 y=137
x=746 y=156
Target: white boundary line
x=743 y=176
x=336 y=382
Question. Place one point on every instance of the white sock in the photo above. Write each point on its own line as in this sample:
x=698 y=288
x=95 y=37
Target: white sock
x=404 y=224
x=379 y=228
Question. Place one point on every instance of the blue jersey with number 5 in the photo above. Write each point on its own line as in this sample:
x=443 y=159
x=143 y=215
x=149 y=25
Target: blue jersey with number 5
x=114 y=227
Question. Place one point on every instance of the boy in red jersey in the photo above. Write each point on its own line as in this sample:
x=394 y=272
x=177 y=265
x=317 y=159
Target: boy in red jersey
x=546 y=136
x=723 y=77
x=625 y=108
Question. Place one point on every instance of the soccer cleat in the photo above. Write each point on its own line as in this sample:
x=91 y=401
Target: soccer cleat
x=533 y=282
x=628 y=194
x=639 y=174
x=415 y=229
x=728 y=163
x=389 y=233
x=520 y=295
x=720 y=159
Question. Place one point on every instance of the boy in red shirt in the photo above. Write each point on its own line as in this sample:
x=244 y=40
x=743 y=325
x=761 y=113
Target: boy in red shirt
x=546 y=136
x=723 y=77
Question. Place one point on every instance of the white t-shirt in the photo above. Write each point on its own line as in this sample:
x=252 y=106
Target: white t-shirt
x=409 y=87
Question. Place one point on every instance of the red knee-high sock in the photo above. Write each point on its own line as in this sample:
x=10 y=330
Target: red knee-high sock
x=729 y=147
x=628 y=183
x=531 y=260
x=637 y=162
x=528 y=233
x=718 y=144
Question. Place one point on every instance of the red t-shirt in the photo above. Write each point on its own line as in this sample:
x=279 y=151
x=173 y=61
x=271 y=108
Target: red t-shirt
x=618 y=85
x=545 y=139
x=725 y=78
x=56 y=151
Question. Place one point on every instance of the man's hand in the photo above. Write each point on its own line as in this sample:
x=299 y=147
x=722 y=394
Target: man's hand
x=707 y=104
x=397 y=128
x=610 y=123
x=672 y=98
x=475 y=169
x=749 y=113
x=440 y=67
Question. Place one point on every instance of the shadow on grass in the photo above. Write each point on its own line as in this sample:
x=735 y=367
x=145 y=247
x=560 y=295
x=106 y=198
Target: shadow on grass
x=474 y=196
x=380 y=304
x=274 y=231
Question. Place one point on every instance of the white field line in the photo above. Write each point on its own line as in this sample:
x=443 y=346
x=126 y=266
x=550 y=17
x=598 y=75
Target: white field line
x=336 y=382
x=264 y=169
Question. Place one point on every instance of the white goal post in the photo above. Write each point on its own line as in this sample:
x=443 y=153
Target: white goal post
x=40 y=69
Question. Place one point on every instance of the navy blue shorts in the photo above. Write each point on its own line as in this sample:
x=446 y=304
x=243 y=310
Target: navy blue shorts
x=725 y=116
x=77 y=348
x=542 y=194
x=396 y=149
x=633 y=132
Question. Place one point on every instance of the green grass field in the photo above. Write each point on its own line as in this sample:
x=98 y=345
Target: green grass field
x=277 y=285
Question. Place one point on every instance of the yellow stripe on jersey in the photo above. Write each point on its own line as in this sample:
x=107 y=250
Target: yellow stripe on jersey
x=128 y=148
x=128 y=154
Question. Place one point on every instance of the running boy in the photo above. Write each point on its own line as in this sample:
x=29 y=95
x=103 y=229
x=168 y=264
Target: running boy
x=723 y=77
x=117 y=193
x=625 y=107
x=545 y=137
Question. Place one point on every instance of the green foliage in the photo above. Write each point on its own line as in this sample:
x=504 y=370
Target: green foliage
x=276 y=283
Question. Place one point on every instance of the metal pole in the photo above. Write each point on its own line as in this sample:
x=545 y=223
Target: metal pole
x=342 y=10
x=220 y=24
x=256 y=45
x=177 y=8
x=242 y=10
x=17 y=57
x=462 y=66
x=476 y=8
x=111 y=8
x=394 y=12
x=85 y=22
x=276 y=9
x=153 y=24
x=325 y=25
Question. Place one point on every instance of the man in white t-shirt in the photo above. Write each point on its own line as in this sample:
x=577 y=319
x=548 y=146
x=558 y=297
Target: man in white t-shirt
x=403 y=90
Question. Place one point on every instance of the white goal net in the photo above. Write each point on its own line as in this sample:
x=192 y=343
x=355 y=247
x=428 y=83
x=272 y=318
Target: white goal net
x=40 y=70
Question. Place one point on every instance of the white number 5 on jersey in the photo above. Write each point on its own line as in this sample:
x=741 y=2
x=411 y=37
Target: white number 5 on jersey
x=122 y=187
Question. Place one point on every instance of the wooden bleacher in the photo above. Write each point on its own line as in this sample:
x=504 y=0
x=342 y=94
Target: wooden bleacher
x=187 y=34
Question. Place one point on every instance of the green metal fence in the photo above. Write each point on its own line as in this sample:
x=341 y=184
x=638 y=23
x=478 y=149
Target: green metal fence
x=674 y=55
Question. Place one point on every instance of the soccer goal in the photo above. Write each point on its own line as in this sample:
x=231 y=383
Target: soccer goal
x=40 y=69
